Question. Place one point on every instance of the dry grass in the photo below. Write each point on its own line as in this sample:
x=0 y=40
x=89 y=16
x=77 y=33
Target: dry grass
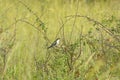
x=89 y=32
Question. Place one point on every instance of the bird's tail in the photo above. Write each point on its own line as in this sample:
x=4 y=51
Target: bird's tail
x=49 y=47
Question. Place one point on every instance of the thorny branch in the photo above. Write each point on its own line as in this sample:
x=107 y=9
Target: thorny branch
x=97 y=23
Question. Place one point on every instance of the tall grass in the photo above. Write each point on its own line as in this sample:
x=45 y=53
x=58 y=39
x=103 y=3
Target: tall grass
x=89 y=32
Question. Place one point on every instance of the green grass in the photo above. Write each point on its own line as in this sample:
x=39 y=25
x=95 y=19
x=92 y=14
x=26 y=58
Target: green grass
x=89 y=48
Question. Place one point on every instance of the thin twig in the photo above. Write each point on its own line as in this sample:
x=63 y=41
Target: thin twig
x=73 y=26
x=80 y=50
x=97 y=23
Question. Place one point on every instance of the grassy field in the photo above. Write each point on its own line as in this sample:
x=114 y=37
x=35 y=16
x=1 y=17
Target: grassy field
x=89 y=32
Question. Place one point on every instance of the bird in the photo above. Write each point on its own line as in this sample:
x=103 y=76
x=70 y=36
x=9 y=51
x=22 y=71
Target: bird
x=55 y=43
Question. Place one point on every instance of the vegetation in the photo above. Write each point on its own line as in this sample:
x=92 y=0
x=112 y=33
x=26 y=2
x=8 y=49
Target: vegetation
x=89 y=32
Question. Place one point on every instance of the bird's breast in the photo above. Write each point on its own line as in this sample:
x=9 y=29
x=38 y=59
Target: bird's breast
x=58 y=41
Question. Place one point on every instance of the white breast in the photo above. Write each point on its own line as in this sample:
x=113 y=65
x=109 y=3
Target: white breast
x=58 y=42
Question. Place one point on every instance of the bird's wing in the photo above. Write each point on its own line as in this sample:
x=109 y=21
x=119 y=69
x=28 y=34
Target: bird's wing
x=53 y=44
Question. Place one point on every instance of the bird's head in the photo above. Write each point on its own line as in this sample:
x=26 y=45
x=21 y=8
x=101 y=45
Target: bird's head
x=58 y=39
